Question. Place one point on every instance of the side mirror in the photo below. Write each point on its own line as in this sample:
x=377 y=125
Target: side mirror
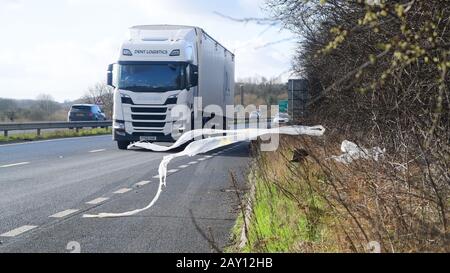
x=194 y=75
x=109 y=75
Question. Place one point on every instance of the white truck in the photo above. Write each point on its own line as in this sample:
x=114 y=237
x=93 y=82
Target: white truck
x=163 y=66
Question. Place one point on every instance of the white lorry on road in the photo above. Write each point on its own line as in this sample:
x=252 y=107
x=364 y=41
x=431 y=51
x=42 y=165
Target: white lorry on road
x=164 y=66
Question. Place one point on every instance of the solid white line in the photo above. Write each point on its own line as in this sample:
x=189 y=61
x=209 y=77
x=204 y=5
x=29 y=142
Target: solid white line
x=192 y=162
x=17 y=231
x=142 y=183
x=62 y=214
x=14 y=164
x=97 y=201
x=96 y=151
x=124 y=190
x=173 y=171
x=183 y=166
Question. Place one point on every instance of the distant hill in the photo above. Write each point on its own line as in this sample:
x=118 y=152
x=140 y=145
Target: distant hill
x=22 y=110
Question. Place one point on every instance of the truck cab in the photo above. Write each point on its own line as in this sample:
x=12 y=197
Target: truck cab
x=157 y=69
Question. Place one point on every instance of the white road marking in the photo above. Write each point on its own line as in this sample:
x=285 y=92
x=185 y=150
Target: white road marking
x=96 y=151
x=142 y=183
x=173 y=171
x=14 y=164
x=183 y=166
x=123 y=190
x=97 y=201
x=201 y=159
x=62 y=214
x=208 y=156
x=156 y=176
x=192 y=162
x=17 y=231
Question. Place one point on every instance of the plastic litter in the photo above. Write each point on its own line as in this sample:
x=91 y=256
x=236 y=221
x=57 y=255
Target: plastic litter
x=203 y=146
x=351 y=151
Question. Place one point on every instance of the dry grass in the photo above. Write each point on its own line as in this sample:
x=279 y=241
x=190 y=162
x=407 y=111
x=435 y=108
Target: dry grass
x=319 y=205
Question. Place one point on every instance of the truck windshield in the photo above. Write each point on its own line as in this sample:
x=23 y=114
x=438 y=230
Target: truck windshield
x=158 y=77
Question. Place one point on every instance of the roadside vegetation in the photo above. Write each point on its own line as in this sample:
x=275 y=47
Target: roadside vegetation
x=320 y=205
x=383 y=71
x=45 y=108
x=54 y=134
x=260 y=91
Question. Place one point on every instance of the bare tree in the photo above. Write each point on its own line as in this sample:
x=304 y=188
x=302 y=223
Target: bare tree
x=47 y=104
x=101 y=94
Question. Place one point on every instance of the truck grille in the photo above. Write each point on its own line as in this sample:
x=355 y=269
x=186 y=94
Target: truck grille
x=148 y=117
x=145 y=118
x=148 y=109
x=149 y=124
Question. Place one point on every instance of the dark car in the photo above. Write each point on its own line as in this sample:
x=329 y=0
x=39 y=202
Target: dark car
x=85 y=112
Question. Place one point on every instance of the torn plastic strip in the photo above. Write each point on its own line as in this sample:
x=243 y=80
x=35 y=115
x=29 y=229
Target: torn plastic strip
x=186 y=137
x=351 y=151
x=203 y=146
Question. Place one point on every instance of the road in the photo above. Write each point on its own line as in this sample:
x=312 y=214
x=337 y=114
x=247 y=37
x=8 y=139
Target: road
x=46 y=186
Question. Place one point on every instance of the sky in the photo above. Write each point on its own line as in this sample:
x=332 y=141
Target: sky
x=62 y=47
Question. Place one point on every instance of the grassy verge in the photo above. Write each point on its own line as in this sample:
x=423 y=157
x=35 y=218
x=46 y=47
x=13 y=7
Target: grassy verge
x=286 y=216
x=54 y=134
x=319 y=205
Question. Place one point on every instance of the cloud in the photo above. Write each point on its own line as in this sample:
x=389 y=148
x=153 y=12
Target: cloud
x=64 y=48
x=7 y=5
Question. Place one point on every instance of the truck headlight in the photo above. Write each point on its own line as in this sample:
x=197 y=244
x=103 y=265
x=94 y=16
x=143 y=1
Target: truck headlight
x=119 y=125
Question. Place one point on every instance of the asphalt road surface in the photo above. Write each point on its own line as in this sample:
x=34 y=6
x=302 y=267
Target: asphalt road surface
x=46 y=186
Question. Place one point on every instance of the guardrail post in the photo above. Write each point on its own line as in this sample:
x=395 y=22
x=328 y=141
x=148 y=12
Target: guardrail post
x=39 y=132
x=5 y=133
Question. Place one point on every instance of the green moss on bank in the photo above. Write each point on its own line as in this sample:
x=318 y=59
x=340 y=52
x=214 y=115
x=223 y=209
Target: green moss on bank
x=279 y=224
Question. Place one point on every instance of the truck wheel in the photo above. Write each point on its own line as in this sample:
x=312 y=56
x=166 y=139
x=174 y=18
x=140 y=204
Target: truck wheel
x=122 y=145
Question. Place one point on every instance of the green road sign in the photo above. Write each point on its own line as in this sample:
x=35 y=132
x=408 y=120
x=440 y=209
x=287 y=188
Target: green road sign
x=283 y=106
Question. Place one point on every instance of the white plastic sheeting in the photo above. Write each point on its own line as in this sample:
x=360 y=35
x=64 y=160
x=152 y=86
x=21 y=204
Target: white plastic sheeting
x=203 y=146
x=351 y=151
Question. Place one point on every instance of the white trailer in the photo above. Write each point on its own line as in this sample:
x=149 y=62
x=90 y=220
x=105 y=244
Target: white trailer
x=160 y=67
